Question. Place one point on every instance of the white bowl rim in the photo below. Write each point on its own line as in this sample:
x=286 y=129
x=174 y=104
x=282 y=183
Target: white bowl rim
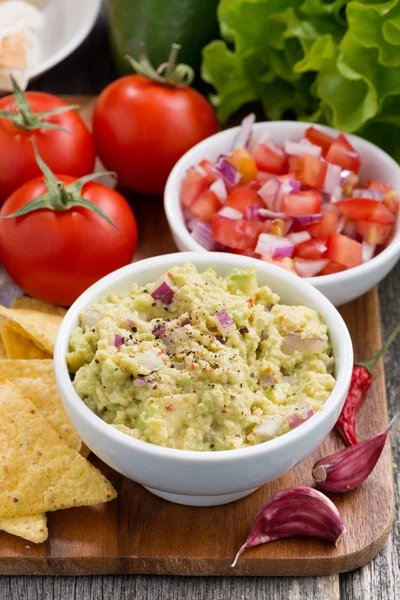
x=340 y=278
x=70 y=47
x=167 y=260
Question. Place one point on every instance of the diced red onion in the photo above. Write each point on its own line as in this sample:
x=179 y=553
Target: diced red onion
x=350 y=229
x=304 y=220
x=191 y=224
x=254 y=213
x=332 y=178
x=159 y=330
x=243 y=137
x=296 y=149
x=202 y=233
x=230 y=213
x=298 y=237
x=269 y=307
x=377 y=195
x=266 y=381
x=224 y=321
x=337 y=194
x=293 y=342
x=274 y=147
x=263 y=176
x=90 y=318
x=309 y=268
x=219 y=189
x=294 y=420
x=342 y=222
x=368 y=251
x=277 y=246
x=269 y=192
x=227 y=171
x=118 y=340
x=269 y=427
x=295 y=185
x=142 y=382
x=369 y=194
x=200 y=170
x=285 y=188
x=288 y=225
x=163 y=293
x=270 y=214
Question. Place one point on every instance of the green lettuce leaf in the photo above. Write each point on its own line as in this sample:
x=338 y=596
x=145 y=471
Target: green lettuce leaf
x=335 y=62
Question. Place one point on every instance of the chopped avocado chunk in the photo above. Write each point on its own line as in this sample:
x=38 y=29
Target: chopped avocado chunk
x=244 y=281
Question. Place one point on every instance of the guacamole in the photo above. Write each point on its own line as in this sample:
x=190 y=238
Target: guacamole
x=200 y=362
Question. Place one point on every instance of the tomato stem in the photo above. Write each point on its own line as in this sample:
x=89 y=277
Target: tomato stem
x=24 y=118
x=61 y=197
x=168 y=74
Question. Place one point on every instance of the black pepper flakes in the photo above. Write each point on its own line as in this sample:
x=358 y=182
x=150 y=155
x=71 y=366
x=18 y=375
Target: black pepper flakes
x=15 y=499
x=243 y=330
x=134 y=329
x=96 y=361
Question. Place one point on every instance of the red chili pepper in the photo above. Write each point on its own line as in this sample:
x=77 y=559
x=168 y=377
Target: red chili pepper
x=360 y=383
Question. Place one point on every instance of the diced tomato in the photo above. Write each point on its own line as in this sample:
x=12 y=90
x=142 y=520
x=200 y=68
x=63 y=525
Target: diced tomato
x=252 y=185
x=270 y=157
x=342 y=153
x=319 y=138
x=288 y=176
x=391 y=200
x=311 y=249
x=208 y=166
x=193 y=186
x=238 y=234
x=332 y=267
x=311 y=171
x=284 y=262
x=361 y=209
x=374 y=233
x=303 y=203
x=345 y=251
x=242 y=199
x=205 y=206
x=325 y=227
x=373 y=184
x=242 y=160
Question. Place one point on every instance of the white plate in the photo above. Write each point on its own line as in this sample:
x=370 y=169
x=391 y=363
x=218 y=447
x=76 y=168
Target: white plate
x=67 y=24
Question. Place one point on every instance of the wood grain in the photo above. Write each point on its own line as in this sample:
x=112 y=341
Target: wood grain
x=140 y=533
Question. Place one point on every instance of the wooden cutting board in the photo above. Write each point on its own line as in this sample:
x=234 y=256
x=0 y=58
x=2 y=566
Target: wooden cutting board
x=141 y=533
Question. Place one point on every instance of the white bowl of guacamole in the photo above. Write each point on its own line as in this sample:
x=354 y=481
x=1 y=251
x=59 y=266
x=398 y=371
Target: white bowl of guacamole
x=203 y=376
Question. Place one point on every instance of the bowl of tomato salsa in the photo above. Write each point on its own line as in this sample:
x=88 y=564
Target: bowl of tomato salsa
x=319 y=203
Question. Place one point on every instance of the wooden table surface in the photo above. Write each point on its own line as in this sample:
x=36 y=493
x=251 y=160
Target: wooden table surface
x=87 y=71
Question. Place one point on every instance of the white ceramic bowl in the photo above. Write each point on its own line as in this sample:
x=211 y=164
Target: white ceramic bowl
x=376 y=164
x=67 y=23
x=205 y=478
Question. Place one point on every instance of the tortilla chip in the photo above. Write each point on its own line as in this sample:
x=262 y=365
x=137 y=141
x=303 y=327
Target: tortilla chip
x=18 y=346
x=39 y=472
x=39 y=327
x=25 y=368
x=33 y=528
x=30 y=303
x=3 y=352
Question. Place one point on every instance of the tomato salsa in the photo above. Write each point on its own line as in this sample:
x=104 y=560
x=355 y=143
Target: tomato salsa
x=301 y=206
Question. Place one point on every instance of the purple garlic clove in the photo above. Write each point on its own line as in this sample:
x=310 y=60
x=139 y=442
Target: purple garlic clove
x=300 y=511
x=349 y=468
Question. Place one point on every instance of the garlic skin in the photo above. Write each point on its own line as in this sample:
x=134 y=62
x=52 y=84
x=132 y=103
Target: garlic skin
x=349 y=468
x=300 y=511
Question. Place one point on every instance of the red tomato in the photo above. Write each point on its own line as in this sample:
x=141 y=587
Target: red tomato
x=302 y=203
x=332 y=267
x=345 y=251
x=56 y=255
x=374 y=233
x=319 y=138
x=252 y=185
x=205 y=206
x=208 y=166
x=238 y=234
x=373 y=184
x=324 y=228
x=242 y=199
x=311 y=249
x=141 y=128
x=193 y=186
x=343 y=154
x=244 y=163
x=311 y=171
x=70 y=152
x=360 y=209
x=270 y=157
